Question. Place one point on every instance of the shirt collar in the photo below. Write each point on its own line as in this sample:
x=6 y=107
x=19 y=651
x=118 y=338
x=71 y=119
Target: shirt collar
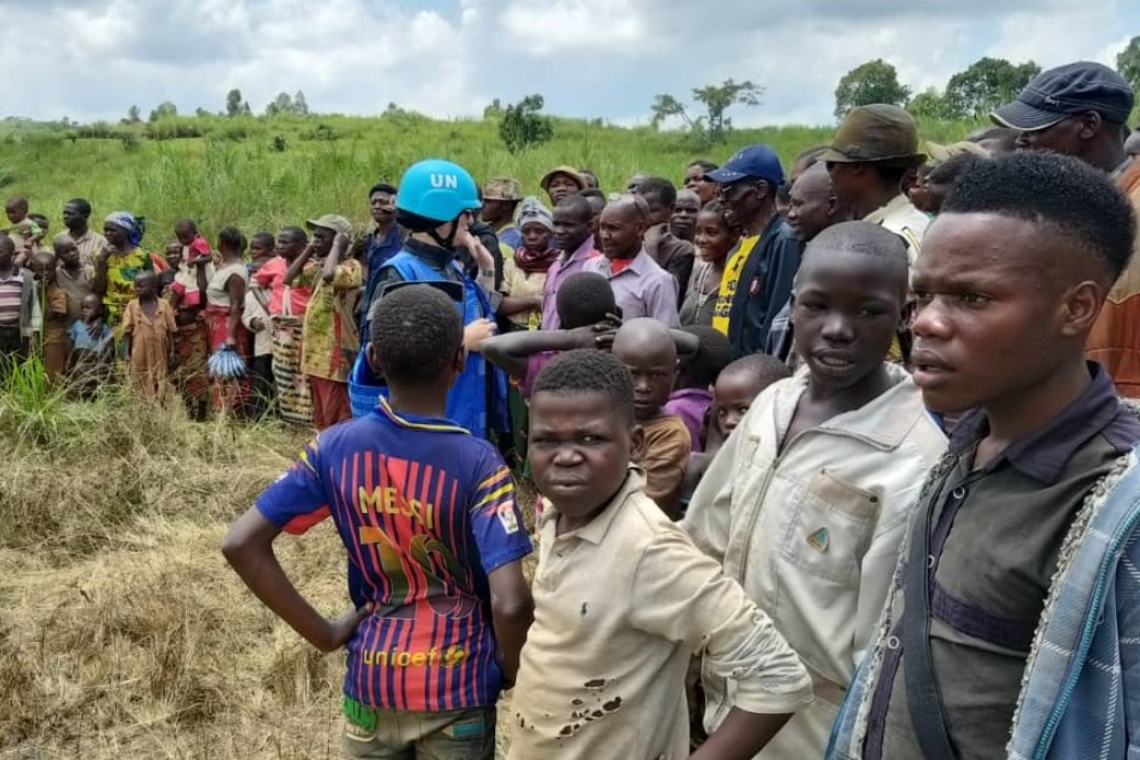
x=595 y=531
x=415 y=421
x=1044 y=453
x=636 y=264
x=392 y=237
x=878 y=215
x=583 y=251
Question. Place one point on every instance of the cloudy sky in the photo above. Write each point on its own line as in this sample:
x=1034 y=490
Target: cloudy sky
x=90 y=59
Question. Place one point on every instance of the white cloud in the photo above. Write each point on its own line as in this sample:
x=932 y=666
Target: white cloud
x=603 y=58
x=1079 y=31
x=543 y=27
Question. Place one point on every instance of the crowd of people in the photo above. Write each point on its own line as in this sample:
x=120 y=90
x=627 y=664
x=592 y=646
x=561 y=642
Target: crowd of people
x=831 y=462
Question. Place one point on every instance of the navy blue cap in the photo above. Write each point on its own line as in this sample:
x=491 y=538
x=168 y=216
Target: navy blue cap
x=752 y=162
x=1055 y=95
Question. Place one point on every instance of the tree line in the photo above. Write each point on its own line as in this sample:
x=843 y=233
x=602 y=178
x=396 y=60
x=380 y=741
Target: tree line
x=236 y=106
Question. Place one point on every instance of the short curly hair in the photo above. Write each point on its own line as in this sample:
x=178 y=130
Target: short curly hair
x=588 y=370
x=583 y=299
x=714 y=353
x=1063 y=192
x=416 y=332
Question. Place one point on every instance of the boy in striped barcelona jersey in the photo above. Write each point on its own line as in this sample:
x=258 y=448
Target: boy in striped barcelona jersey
x=434 y=539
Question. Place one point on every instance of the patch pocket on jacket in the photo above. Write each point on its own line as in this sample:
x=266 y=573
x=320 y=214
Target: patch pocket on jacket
x=832 y=528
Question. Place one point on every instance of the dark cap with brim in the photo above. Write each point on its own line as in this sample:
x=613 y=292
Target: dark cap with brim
x=752 y=162
x=1057 y=94
x=875 y=134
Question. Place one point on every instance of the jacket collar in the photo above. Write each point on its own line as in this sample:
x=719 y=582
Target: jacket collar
x=883 y=422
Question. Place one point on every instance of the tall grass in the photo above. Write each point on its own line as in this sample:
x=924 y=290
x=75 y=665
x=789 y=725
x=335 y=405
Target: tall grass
x=265 y=172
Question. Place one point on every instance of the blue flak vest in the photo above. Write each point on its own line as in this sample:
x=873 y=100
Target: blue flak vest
x=478 y=399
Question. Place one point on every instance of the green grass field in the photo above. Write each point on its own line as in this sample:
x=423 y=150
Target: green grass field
x=261 y=173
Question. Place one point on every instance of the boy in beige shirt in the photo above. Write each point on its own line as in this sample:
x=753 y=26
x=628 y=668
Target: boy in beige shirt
x=623 y=598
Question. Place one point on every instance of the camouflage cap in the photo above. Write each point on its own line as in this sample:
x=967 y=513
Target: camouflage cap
x=878 y=133
x=502 y=189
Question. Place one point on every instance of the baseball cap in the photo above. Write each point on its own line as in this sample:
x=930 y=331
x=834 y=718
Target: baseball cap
x=753 y=161
x=332 y=222
x=1054 y=95
x=502 y=189
x=878 y=133
x=569 y=171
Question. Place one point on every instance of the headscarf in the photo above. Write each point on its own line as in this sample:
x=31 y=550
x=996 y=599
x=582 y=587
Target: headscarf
x=531 y=211
x=135 y=226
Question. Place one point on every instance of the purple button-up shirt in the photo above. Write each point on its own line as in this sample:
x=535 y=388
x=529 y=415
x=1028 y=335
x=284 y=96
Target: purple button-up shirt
x=557 y=274
x=642 y=289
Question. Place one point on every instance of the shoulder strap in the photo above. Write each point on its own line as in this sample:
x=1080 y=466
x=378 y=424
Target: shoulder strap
x=924 y=700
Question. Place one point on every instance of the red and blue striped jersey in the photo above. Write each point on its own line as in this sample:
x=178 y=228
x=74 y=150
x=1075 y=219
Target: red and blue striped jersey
x=426 y=511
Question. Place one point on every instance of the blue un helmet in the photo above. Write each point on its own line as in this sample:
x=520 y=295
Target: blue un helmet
x=437 y=190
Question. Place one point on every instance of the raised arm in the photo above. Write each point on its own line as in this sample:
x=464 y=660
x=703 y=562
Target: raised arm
x=511 y=350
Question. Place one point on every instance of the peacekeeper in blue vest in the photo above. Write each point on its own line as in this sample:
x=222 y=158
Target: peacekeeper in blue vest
x=436 y=204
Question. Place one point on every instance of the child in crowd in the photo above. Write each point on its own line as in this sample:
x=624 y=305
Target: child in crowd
x=148 y=324
x=715 y=237
x=191 y=343
x=93 y=348
x=734 y=390
x=17 y=303
x=287 y=306
x=584 y=301
x=428 y=518
x=168 y=277
x=255 y=317
x=53 y=307
x=646 y=348
x=692 y=393
x=24 y=231
x=810 y=495
x=71 y=276
x=225 y=302
x=604 y=664
x=194 y=246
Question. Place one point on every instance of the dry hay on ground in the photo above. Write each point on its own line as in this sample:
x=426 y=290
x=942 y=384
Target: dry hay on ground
x=124 y=634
